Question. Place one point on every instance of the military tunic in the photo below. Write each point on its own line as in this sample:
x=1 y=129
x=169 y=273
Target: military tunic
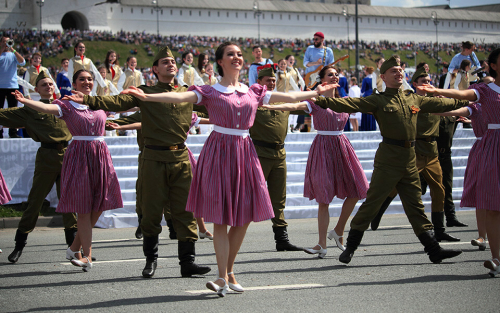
x=270 y=128
x=394 y=165
x=166 y=173
x=54 y=136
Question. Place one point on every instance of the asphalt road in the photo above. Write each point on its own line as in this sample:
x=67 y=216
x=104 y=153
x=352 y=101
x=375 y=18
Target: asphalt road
x=389 y=273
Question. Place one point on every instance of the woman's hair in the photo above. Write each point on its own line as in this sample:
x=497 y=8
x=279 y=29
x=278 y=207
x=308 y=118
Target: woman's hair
x=369 y=69
x=130 y=58
x=107 y=63
x=354 y=80
x=464 y=64
x=100 y=66
x=288 y=57
x=492 y=59
x=65 y=59
x=201 y=58
x=77 y=74
x=219 y=54
x=322 y=74
x=184 y=55
x=76 y=46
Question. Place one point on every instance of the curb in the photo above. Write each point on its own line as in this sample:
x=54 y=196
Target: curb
x=43 y=221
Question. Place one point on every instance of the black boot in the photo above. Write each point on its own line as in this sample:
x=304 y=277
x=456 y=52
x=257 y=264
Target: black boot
x=376 y=221
x=186 y=257
x=150 y=248
x=70 y=235
x=439 y=231
x=171 y=231
x=434 y=250
x=353 y=241
x=282 y=241
x=138 y=231
x=451 y=217
x=18 y=249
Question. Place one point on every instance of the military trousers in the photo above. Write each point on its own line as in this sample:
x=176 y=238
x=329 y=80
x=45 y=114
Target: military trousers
x=138 y=187
x=48 y=164
x=166 y=185
x=447 y=169
x=430 y=169
x=274 y=171
x=384 y=179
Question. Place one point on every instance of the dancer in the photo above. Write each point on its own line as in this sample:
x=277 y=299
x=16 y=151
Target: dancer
x=81 y=62
x=4 y=191
x=488 y=171
x=396 y=111
x=331 y=153
x=284 y=79
x=53 y=134
x=209 y=77
x=202 y=63
x=89 y=181
x=290 y=59
x=109 y=90
x=131 y=76
x=166 y=172
x=187 y=74
x=31 y=76
x=113 y=70
x=229 y=188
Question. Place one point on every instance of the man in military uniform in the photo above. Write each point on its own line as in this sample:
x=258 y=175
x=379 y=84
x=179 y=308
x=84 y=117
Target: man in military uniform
x=166 y=171
x=32 y=73
x=268 y=134
x=427 y=163
x=54 y=136
x=394 y=165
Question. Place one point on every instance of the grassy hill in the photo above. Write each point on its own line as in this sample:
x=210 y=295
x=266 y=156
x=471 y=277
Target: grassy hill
x=96 y=50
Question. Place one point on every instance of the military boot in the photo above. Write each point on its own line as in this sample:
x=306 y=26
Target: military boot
x=171 y=230
x=69 y=235
x=150 y=248
x=282 y=241
x=439 y=230
x=20 y=244
x=186 y=257
x=353 y=241
x=433 y=249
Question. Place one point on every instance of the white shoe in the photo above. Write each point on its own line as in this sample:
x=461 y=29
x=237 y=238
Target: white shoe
x=223 y=290
x=70 y=255
x=490 y=264
x=320 y=252
x=235 y=287
x=478 y=243
x=204 y=235
x=87 y=266
x=212 y=286
x=333 y=235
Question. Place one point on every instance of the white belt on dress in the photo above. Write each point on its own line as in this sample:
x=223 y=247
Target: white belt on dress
x=330 y=132
x=493 y=126
x=232 y=131
x=89 y=138
x=479 y=138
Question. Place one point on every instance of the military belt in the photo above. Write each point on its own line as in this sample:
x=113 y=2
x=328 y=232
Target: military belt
x=176 y=147
x=428 y=139
x=401 y=143
x=54 y=145
x=275 y=146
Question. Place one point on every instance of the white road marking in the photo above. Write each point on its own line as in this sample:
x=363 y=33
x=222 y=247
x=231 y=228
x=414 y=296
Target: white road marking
x=119 y=240
x=205 y=291
x=394 y=226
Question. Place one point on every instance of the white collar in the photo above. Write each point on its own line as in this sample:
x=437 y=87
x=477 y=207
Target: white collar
x=78 y=106
x=494 y=87
x=242 y=88
x=185 y=65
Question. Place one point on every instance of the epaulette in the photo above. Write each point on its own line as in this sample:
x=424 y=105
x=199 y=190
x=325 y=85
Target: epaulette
x=375 y=91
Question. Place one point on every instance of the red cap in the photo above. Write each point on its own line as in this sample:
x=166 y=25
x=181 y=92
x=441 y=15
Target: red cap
x=319 y=34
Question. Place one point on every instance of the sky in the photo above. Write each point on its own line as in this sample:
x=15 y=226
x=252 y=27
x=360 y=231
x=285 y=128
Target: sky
x=420 y=3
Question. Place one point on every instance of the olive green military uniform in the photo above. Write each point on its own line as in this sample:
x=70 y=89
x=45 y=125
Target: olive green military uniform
x=54 y=136
x=166 y=171
x=395 y=162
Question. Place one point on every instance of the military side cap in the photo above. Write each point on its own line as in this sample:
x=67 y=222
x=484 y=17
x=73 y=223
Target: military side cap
x=388 y=64
x=418 y=73
x=266 y=70
x=163 y=53
x=41 y=76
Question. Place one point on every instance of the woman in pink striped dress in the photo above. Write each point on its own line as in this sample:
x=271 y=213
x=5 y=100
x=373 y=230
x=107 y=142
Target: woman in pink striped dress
x=487 y=190
x=4 y=191
x=89 y=184
x=229 y=188
x=333 y=169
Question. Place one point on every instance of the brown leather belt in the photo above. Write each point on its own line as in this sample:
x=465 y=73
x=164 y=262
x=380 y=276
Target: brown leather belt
x=275 y=146
x=54 y=145
x=162 y=148
x=428 y=139
x=401 y=143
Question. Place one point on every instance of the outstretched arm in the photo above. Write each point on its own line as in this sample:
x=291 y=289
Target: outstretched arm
x=286 y=106
x=169 y=97
x=459 y=112
x=300 y=96
x=468 y=94
x=36 y=105
x=124 y=127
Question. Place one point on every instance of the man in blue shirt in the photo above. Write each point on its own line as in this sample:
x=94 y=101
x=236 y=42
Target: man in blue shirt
x=466 y=54
x=317 y=54
x=9 y=60
x=259 y=61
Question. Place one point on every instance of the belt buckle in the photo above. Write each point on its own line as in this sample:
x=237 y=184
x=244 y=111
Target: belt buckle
x=176 y=147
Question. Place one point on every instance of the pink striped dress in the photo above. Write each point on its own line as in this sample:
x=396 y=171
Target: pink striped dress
x=333 y=169
x=488 y=171
x=479 y=127
x=228 y=186
x=88 y=178
x=4 y=191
